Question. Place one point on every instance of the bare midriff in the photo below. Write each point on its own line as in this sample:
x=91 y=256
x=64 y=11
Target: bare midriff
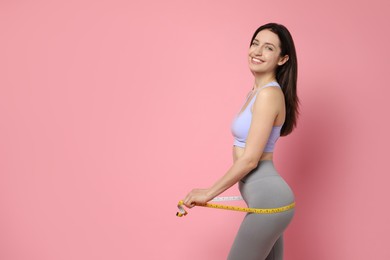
x=238 y=152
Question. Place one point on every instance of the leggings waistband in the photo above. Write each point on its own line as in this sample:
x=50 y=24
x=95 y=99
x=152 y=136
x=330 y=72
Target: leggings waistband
x=265 y=168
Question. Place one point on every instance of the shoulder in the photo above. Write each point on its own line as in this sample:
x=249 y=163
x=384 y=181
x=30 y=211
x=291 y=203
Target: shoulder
x=269 y=95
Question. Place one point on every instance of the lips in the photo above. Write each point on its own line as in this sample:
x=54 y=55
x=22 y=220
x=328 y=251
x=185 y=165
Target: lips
x=256 y=60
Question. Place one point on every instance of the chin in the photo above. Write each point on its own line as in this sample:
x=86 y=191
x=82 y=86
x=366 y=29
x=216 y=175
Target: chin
x=257 y=71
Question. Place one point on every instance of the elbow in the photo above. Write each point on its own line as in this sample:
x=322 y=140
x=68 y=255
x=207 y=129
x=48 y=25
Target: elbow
x=253 y=164
x=250 y=163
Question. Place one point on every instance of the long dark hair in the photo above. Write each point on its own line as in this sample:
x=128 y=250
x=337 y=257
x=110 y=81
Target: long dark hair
x=286 y=74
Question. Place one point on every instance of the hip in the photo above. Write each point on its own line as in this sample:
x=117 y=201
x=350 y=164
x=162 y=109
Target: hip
x=263 y=187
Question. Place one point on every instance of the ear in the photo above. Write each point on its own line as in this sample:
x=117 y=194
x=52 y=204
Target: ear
x=283 y=60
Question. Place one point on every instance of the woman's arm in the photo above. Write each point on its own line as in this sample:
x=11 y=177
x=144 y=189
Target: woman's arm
x=265 y=111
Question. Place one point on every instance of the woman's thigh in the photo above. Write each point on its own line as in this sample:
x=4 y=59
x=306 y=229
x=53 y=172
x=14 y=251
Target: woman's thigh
x=258 y=234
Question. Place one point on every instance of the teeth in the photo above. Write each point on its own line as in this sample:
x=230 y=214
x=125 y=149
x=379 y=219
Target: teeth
x=256 y=60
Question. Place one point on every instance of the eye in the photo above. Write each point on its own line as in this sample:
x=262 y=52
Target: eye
x=269 y=48
x=254 y=43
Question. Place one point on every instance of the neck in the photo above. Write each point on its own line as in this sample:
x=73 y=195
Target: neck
x=261 y=80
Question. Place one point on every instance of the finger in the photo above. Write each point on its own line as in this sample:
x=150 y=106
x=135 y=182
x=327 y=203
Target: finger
x=186 y=202
x=189 y=204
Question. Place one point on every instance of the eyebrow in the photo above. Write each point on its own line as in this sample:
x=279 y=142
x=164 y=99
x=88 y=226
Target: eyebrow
x=265 y=42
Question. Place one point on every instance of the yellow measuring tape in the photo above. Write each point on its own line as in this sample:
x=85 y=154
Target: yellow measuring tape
x=183 y=212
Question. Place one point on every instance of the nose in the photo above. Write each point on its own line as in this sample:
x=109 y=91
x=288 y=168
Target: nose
x=258 y=50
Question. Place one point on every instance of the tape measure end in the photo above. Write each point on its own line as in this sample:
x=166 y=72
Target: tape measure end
x=178 y=214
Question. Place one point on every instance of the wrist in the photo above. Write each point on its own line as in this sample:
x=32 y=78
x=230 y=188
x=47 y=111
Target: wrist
x=211 y=194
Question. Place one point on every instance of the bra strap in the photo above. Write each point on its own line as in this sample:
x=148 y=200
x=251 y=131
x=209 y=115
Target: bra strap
x=271 y=84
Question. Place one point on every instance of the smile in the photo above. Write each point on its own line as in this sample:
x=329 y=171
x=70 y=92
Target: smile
x=256 y=61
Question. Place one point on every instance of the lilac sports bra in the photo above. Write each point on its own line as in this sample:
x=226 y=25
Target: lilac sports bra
x=242 y=122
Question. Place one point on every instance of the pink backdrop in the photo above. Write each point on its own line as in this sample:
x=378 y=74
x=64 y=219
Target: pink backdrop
x=111 y=111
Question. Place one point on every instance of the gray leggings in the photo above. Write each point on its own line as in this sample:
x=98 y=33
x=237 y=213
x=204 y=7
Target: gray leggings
x=260 y=236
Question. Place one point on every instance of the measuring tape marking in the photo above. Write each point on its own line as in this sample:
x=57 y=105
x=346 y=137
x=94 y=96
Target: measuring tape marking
x=183 y=212
x=231 y=198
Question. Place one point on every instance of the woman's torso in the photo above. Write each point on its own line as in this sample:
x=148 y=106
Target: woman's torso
x=279 y=120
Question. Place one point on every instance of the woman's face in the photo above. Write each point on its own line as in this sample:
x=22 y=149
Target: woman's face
x=264 y=53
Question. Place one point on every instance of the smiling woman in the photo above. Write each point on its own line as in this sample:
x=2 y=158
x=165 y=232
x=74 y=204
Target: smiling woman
x=265 y=51
x=270 y=111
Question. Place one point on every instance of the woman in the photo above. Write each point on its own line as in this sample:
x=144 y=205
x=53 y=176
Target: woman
x=270 y=111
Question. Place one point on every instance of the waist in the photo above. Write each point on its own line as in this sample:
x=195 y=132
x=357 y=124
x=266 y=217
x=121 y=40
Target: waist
x=264 y=169
x=239 y=151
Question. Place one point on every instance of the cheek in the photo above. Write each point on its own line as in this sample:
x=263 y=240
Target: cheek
x=249 y=58
x=275 y=58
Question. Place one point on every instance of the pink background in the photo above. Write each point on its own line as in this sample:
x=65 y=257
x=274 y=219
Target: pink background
x=111 y=111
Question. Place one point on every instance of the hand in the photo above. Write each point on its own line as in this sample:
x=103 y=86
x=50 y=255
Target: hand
x=197 y=197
